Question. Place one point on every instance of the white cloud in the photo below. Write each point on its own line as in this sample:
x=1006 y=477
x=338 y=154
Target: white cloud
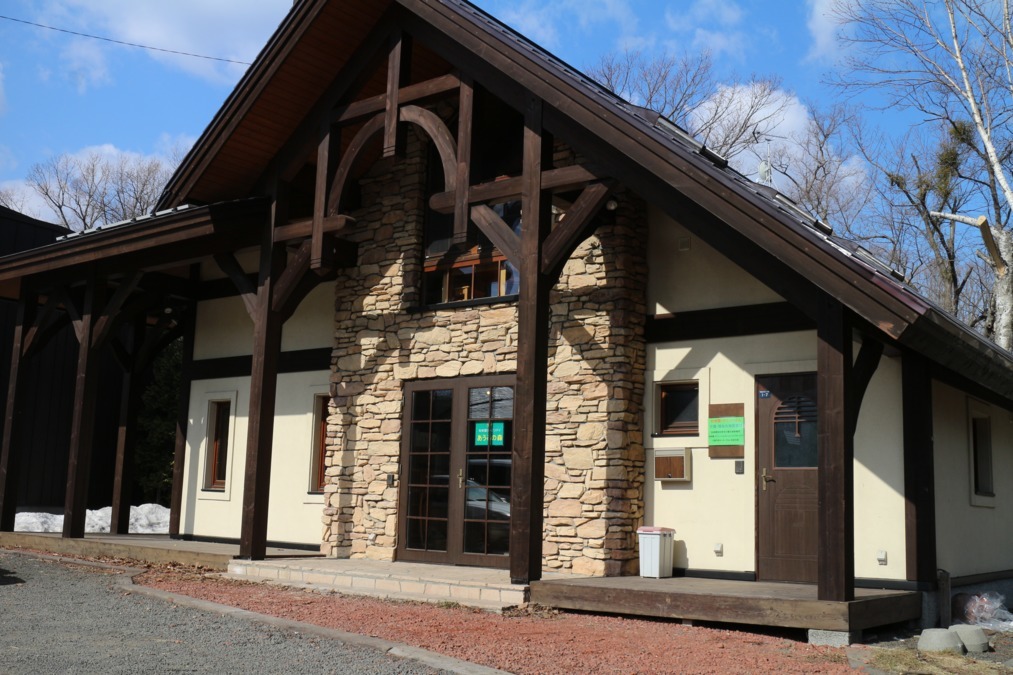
x=711 y=25
x=231 y=29
x=85 y=65
x=823 y=31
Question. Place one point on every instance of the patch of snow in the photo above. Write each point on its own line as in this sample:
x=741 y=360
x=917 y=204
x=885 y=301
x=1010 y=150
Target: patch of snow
x=144 y=519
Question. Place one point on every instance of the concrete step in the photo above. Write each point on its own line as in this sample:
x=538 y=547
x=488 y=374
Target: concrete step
x=485 y=589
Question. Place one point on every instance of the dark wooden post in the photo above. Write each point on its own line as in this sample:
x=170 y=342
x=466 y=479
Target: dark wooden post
x=126 y=435
x=182 y=419
x=836 y=556
x=919 y=469
x=267 y=326
x=9 y=452
x=83 y=419
x=528 y=474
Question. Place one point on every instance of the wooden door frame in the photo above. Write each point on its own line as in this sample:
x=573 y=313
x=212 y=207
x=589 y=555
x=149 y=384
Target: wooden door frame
x=458 y=426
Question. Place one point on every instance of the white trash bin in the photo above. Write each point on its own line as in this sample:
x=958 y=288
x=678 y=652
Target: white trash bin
x=656 y=544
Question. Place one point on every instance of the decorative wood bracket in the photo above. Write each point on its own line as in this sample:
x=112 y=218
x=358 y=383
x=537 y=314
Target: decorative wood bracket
x=111 y=312
x=228 y=264
x=573 y=228
x=861 y=374
x=501 y=234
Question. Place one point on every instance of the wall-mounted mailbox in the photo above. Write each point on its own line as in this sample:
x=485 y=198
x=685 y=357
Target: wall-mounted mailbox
x=674 y=465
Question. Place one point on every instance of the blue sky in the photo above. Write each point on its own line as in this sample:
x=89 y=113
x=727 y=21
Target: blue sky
x=61 y=93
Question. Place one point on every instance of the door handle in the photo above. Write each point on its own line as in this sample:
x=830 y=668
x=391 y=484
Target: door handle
x=460 y=478
x=766 y=478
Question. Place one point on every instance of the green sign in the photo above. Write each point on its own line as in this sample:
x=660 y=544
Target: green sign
x=483 y=433
x=726 y=431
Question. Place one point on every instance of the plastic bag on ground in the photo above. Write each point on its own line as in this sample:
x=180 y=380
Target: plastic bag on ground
x=986 y=610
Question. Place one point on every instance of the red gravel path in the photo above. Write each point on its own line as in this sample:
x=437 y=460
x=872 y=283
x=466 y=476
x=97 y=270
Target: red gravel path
x=542 y=643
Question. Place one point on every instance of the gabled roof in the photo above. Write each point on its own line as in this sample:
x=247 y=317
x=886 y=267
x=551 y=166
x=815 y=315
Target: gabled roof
x=320 y=37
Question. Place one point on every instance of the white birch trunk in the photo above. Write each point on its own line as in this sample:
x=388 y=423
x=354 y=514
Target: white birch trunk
x=1003 y=291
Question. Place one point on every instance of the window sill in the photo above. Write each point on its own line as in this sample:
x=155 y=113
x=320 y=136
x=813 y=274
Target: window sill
x=460 y=304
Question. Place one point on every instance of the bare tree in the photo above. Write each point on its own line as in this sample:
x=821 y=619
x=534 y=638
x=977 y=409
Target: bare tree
x=953 y=61
x=15 y=199
x=727 y=117
x=94 y=188
x=822 y=172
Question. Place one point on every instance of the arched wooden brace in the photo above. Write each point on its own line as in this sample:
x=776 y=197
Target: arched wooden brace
x=426 y=120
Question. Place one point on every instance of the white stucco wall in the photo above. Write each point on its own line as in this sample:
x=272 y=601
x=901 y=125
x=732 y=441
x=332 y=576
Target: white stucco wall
x=971 y=532
x=295 y=513
x=224 y=328
x=687 y=274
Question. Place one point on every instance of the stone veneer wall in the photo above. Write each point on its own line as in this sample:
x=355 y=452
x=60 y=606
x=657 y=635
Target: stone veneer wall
x=594 y=444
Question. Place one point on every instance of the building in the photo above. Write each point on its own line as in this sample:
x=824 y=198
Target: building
x=447 y=300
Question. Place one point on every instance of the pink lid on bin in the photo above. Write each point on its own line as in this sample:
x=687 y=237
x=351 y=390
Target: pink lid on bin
x=653 y=530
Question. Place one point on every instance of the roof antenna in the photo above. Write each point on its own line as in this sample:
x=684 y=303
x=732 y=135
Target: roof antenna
x=765 y=170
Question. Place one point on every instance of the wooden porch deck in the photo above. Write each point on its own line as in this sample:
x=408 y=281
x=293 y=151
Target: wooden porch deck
x=742 y=602
x=155 y=548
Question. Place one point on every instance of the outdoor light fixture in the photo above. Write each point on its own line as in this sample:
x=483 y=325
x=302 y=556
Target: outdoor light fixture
x=611 y=205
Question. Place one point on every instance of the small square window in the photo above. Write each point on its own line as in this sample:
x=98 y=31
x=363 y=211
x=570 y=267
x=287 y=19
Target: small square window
x=679 y=409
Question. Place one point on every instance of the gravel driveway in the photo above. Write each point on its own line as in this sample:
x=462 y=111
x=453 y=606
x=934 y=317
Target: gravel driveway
x=56 y=618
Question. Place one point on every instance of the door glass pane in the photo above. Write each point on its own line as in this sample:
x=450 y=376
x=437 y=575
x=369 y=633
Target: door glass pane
x=429 y=470
x=488 y=467
x=795 y=445
x=795 y=433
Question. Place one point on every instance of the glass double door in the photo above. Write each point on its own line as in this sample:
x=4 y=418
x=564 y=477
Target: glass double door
x=456 y=458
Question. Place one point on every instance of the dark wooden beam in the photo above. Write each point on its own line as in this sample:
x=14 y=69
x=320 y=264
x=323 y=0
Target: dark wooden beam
x=437 y=87
x=771 y=317
x=83 y=417
x=563 y=179
x=298 y=361
x=528 y=469
x=919 y=468
x=301 y=229
x=465 y=122
x=499 y=233
x=574 y=228
x=228 y=264
x=188 y=325
x=861 y=374
x=344 y=170
x=297 y=268
x=42 y=326
x=836 y=556
x=111 y=312
x=267 y=328
x=319 y=198
x=399 y=59
x=9 y=452
x=126 y=433
x=69 y=306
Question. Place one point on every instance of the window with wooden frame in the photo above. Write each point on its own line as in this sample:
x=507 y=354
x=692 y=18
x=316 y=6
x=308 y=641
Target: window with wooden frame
x=678 y=406
x=318 y=477
x=219 y=419
x=981 y=456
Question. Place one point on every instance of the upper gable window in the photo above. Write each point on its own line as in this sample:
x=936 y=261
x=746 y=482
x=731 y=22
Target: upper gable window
x=474 y=269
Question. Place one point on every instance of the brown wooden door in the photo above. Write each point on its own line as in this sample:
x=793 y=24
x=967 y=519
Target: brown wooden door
x=456 y=461
x=787 y=485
